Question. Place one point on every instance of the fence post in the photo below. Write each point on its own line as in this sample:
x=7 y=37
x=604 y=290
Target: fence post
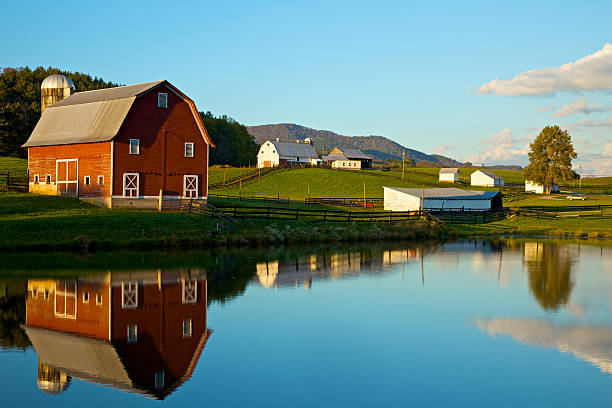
x=268 y=213
x=349 y=216
x=161 y=197
x=234 y=212
x=297 y=214
x=324 y=216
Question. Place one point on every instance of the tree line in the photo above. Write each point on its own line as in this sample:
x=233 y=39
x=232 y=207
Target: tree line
x=20 y=110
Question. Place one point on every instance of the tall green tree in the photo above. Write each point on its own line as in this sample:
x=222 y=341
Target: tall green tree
x=234 y=145
x=550 y=158
x=20 y=102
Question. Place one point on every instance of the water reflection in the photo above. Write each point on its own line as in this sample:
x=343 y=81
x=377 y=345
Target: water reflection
x=591 y=344
x=550 y=273
x=139 y=331
x=142 y=328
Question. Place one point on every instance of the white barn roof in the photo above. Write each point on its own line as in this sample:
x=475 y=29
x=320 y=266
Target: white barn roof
x=295 y=149
x=447 y=193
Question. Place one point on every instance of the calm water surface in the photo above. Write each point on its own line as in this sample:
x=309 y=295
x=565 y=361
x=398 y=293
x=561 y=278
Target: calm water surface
x=470 y=323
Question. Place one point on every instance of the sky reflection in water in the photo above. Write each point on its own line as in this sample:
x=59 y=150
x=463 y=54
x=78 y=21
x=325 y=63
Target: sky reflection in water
x=466 y=323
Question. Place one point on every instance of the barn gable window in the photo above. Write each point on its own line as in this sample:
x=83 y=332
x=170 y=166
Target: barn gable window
x=98 y=299
x=189 y=149
x=134 y=146
x=162 y=100
x=36 y=179
x=85 y=297
x=100 y=180
x=48 y=179
x=86 y=180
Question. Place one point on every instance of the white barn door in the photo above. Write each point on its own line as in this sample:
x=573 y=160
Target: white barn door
x=131 y=184
x=190 y=186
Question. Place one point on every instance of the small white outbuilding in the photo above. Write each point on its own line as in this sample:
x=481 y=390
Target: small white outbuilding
x=440 y=199
x=531 y=187
x=450 y=175
x=484 y=178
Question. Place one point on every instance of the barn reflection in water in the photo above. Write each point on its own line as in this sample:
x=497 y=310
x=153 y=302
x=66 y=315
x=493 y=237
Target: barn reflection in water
x=141 y=332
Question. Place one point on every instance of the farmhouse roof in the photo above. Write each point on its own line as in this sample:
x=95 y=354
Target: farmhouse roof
x=451 y=193
x=346 y=154
x=295 y=149
x=95 y=116
x=488 y=173
x=449 y=170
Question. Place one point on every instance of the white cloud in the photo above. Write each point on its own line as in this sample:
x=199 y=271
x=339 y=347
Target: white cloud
x=501 y=148
x=591 y=124
x=579 y=105
x=441 y=149
x=590 y=73
x=544 y=108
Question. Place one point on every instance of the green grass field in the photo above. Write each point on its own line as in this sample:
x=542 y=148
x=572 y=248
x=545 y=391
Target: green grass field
x=13 y=165
x=217 y=174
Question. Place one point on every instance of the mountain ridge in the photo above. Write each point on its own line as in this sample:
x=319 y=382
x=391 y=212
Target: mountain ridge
x=380 y=147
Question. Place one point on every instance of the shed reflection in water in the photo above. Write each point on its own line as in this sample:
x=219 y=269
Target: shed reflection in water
x=139 y=331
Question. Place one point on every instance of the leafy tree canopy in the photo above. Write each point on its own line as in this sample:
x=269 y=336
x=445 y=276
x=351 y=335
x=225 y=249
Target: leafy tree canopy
x=550 y=157
x=234 y=144
x=20 y=102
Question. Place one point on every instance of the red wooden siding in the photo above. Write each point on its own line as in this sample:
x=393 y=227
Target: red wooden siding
x=94 y=160
x=163 y=132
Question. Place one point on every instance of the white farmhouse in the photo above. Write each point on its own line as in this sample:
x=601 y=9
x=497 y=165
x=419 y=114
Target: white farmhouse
x=531 y=187
x=440 y=199
x=348 y=159
x=484 y=178
x=274 y=154
x=450 y=175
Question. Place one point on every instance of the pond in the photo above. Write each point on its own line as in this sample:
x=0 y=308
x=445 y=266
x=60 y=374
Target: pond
x=468 y=323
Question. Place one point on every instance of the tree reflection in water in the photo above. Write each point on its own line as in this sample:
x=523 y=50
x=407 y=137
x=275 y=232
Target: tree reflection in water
x=549 y=268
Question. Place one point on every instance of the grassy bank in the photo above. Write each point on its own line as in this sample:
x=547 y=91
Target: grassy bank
x=34 y=222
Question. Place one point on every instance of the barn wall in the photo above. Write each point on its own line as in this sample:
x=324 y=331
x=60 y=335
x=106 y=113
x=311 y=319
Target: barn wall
x=159 y=320
x=267 y=153
x=162 y=133
x=457 y=204
x=347 y=164
x=94 y=159
x=92 y=320
x=450 y=177
x=397 y=201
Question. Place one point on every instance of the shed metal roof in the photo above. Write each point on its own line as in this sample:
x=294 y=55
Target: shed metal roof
x=451 y=193
x=488 y=173
x=449 y=170
x=355 y=154
x=295 y=149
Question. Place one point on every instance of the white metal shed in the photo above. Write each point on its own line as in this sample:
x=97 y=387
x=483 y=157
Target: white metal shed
x=440 y=199
x=484 y=178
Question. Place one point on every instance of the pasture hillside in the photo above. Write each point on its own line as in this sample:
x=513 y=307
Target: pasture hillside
x=13 y=165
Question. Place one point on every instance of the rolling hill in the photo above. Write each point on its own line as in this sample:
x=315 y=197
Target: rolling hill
x=378 y=146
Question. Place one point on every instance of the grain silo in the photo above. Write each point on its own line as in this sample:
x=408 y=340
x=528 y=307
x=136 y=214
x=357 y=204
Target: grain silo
x=54 y=88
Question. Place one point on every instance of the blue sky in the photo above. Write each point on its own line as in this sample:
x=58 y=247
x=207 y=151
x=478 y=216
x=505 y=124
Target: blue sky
x=417 y=73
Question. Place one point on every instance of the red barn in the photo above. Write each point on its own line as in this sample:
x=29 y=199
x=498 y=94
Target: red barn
x=119 y=147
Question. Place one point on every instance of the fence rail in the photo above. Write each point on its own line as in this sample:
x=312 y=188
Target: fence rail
x=278 y=200
x=589 y=211
x=345 y=201
x=13 y=182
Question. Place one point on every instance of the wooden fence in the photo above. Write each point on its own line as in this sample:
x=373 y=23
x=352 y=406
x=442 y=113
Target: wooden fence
x=345 y=201
x=590 y=211
x=13 y=182
x=277 y=200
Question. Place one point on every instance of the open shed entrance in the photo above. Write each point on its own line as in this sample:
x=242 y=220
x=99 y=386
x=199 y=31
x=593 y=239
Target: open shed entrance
x=67 y=177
